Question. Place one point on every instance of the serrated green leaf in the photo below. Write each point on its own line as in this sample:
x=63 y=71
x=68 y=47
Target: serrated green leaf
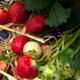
x=57 y=15
x=37 y=4
x=66 y=56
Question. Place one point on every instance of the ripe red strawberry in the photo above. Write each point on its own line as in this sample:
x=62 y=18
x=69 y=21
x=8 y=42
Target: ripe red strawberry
x=18 y=12
x=35 y=24
x=4 y=16
x=26 y=68
x=3 y=67
x=18 y=43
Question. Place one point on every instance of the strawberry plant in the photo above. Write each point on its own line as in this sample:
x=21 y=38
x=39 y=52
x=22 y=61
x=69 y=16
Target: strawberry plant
x=43 y=41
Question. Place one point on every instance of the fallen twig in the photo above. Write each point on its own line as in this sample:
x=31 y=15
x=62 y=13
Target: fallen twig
x=7 y=75
x=28 y=35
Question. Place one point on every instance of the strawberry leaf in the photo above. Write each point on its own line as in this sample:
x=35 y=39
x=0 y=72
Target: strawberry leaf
x=74 y=19
x=37 y=4
x=66 y=56
x=76 y=61
x=57 y=15
x=76 y=58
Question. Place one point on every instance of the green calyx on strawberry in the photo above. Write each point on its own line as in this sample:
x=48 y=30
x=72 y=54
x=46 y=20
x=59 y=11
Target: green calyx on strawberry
x=18 y=12
x=35 y=24
x=49 y=71
x=26 y=67
x=4 y=16
x=18 y=44
x=33 y=49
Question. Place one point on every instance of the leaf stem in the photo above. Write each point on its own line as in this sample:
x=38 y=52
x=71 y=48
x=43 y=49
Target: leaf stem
x=76 y=51
x=73 y=39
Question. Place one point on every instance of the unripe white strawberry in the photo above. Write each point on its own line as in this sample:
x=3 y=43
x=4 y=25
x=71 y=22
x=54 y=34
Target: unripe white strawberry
x=33 y=49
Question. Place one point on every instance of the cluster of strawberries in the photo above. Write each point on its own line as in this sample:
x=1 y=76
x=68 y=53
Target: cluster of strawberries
x=18 y=14
x=27 y=51
x=26 y=65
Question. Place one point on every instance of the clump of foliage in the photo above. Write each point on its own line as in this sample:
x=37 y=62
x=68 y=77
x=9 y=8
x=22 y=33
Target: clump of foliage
x=62 y=61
